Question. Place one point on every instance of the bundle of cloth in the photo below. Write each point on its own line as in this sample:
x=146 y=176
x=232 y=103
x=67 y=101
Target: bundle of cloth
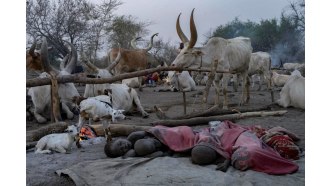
x=245 y=147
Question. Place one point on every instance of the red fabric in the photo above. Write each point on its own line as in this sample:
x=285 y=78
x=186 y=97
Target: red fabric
x=230 y=140
x=285 y=146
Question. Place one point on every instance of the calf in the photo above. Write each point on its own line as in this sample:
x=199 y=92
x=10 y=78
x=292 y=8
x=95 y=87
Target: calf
x=61 y=142
x=98 y=107
x=293 y=92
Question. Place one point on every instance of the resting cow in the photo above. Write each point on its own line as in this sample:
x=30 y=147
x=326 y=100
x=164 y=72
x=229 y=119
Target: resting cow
x=293 y=92
x=123 y=97
x=41 y=95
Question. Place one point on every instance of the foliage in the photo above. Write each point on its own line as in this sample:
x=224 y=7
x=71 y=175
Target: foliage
x=284 y=39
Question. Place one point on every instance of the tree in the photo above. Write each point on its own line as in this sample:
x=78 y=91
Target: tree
x=80 y=22
x=124 y=29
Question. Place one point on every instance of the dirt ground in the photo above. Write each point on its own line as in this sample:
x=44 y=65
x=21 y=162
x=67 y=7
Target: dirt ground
x=40 y=168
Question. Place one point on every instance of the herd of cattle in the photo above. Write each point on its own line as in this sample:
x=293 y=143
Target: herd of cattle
x=103 y=100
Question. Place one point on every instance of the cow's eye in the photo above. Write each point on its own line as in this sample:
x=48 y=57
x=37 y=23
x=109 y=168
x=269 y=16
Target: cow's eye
x=185 y=53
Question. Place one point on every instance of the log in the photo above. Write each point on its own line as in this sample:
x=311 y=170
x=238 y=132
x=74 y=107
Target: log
x=205 y=120
x=78 y=79
x=35 y=135
x=216 y=110
x=118 y=129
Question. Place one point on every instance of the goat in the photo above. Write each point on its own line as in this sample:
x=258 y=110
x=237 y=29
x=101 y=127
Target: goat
x=41 y=95
x=232 y=55
x=98 y=107
x=60 y=142
x=132 y=60
x=293 y=92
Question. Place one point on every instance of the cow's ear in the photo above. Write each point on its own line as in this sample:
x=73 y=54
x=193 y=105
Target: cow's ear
x=198 y=52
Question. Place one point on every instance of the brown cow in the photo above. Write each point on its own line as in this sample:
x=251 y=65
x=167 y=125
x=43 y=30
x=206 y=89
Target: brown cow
x=131 y=60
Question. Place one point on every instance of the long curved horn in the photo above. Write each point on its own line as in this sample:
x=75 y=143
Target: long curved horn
x=64 y=61
x=183 y=37
x=44 y=56
x=88 y=63
x=133 y=42
x=193 y=31
x=114 y=63
x=151 y=42
x=33 y=47
x=73 y=60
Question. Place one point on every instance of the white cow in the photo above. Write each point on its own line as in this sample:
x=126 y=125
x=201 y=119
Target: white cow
x=41 y=95
x=131 y=82
x=279 y=79
x=181 y=80
x=123 y=97
x=293 y=92
x=60 y=142
x=232 y=55
x=292 y=66
x=260 y=64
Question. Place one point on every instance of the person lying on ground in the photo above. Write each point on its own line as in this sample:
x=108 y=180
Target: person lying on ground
x=227 y=143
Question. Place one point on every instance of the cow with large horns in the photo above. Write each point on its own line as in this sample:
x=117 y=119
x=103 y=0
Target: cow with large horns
x=41 y=95
x=231 y=54
x=131 y=60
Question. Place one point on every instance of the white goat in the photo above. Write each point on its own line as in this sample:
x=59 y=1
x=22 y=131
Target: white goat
x=60 y=142
x=279 y=79
x=41 y=96
x=98 y=107
x=293 y=92
x=181 y=80
x=232 y=55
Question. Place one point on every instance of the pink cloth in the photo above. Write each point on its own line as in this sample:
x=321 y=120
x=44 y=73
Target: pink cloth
x=230 y=140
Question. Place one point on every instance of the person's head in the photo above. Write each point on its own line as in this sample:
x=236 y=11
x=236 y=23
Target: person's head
x=117 y=147
x=203 y=155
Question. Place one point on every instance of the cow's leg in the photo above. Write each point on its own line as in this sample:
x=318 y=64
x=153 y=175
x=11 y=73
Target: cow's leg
x=67 y=111
x=140 y=83
x=138 y=103
x=260 y=77
x=235 y=82
x=217 y=89
x=37 y=114
x=246 y=89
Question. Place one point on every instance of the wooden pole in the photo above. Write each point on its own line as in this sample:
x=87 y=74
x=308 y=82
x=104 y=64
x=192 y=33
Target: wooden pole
x=184 y=103
x=55 y=101
x=78 y=79
x=205 y=120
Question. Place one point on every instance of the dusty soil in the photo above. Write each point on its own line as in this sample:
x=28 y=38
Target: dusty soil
x=40 y=169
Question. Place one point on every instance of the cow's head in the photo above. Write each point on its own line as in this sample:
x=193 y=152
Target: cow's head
x=188 y=54
x=33 y=60
x=102 y=73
